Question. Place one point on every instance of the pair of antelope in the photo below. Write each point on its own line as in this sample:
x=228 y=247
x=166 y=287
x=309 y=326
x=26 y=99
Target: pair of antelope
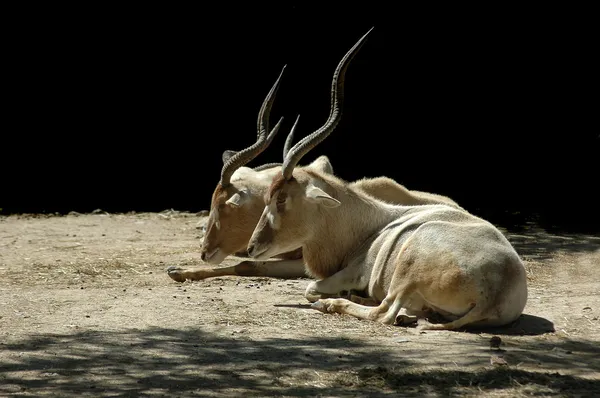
x=411 y=254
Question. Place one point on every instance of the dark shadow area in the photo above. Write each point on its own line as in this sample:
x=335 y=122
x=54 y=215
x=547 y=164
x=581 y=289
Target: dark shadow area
x=526 y=325
x=445 y=383
x=194 y=362
x=497 y=120
x=535 y=243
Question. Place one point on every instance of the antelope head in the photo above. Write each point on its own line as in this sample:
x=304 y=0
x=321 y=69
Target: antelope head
x=294 y=198
x=234 y=207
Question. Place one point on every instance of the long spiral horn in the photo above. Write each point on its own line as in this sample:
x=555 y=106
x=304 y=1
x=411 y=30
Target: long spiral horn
x=290 y=138
x=335 y=115
x=286 y=148
x=262 y=140
x=228 y=153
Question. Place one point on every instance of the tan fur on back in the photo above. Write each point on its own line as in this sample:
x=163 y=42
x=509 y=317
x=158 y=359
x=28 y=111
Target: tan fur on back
x=390 y=191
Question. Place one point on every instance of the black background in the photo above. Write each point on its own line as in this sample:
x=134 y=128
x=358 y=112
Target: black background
x=129 y=109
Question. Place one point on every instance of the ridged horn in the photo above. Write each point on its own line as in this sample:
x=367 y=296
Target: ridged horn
x=290 y=138
x=286 y=148
x=335 y=114
x=262 y=140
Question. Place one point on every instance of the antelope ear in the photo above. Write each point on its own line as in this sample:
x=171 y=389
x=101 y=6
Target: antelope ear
x=227 y=155
x=322 y=164
x=237 y=199
x=316 y=194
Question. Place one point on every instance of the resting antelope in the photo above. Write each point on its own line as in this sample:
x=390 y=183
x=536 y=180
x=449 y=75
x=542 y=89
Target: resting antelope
x=235 y=209
x=412 y=260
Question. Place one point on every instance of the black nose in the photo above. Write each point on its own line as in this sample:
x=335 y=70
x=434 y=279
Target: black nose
x=203 y=256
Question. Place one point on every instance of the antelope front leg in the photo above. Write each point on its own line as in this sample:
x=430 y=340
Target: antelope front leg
x=358 y=309
x=179 y=274
x=285 y=269
x=344 y=280
x=344 y=306
x=384 y=312
x=387 y=312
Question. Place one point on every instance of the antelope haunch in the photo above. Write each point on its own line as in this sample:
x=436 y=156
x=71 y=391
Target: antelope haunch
x=412 y=260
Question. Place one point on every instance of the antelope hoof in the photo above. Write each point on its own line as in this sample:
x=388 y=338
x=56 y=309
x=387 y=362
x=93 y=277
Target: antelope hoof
x=312 y=298
x=405 y=320
x=328 y=306
x=176 y=273
x=319 y=306
x=311 y=293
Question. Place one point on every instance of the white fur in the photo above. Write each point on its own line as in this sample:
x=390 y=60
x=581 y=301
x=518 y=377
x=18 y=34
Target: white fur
x=408 y=258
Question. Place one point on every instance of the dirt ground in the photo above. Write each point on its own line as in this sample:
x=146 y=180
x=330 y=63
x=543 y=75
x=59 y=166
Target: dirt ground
x=87 y=309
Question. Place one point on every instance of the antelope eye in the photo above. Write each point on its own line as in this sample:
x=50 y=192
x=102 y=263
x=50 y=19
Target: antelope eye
x=281 y=202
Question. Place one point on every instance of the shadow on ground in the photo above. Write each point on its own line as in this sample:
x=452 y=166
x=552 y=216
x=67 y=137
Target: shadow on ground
x=198 y=363
x=525 y=325
x=534 y=243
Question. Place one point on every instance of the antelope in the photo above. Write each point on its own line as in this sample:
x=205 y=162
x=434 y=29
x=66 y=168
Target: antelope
x=413 y=261
x=237 y=204
x=236 y=209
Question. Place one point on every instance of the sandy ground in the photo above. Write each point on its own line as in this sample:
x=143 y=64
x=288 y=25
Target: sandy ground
x=87 y=309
